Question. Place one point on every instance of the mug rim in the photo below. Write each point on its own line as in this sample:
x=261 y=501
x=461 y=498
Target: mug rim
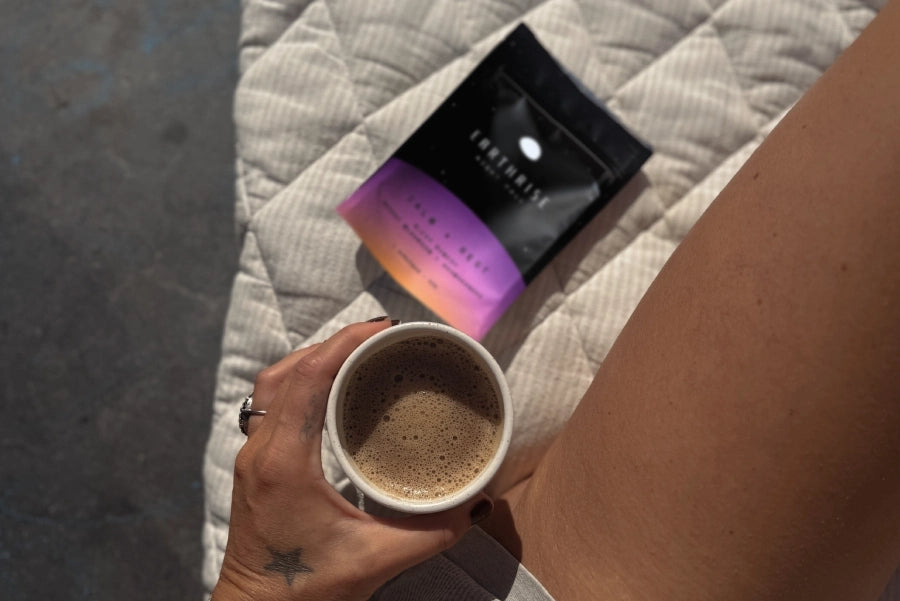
x=382 y=340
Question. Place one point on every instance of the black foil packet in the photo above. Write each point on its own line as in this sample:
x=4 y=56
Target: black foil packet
x=490 y=188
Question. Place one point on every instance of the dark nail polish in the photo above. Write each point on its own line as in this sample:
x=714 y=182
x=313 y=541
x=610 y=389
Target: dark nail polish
x=481 y=511
x=395 y=322
x=374 y=319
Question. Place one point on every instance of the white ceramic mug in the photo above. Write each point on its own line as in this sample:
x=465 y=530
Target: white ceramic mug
x=379 y=342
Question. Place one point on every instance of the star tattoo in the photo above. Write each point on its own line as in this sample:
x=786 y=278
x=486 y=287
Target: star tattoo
x=287 y=564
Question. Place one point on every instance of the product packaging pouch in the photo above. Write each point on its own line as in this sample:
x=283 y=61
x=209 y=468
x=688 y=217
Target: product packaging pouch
x=493 y=184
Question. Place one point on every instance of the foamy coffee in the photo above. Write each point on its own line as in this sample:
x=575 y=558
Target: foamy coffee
x=421 y=419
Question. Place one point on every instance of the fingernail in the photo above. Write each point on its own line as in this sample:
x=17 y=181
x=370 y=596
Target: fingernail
x=482 y=510
x=395 y=322
x=374 y=319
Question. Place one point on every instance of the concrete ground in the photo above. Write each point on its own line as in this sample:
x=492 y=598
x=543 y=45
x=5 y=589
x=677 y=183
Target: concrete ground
x=116 y=257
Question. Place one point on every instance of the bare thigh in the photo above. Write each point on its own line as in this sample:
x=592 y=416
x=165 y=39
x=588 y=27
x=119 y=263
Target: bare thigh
x=742 y=438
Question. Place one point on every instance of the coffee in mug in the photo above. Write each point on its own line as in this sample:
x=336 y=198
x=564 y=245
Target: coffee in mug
x=420 y=417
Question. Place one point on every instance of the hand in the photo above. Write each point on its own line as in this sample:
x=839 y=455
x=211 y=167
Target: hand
x=292 y=536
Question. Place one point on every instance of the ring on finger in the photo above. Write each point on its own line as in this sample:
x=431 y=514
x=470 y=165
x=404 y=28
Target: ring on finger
x=246 y=412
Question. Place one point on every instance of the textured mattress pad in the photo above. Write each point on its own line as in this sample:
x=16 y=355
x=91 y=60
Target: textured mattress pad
x=329 y=89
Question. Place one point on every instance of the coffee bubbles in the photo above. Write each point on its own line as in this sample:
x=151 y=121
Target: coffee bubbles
x=421 y=419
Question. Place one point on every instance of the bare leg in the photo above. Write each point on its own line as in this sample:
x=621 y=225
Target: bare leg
x=742 y=438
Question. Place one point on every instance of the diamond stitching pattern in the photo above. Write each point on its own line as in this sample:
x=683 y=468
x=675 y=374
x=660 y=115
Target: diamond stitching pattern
x=295 y=166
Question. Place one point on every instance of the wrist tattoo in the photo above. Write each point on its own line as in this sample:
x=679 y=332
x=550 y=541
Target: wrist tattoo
x=287 y=564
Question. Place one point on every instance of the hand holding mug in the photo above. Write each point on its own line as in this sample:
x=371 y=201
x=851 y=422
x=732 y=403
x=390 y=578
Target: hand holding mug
x=292 y=536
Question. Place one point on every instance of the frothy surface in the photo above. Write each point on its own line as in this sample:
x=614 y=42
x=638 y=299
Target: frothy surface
x=421 y=419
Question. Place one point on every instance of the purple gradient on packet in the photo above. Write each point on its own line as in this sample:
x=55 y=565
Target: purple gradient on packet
x=434 y=246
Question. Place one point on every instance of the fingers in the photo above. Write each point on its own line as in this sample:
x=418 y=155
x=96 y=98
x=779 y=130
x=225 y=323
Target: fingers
x=297 y=411
x=270 y=380
x=409 y=541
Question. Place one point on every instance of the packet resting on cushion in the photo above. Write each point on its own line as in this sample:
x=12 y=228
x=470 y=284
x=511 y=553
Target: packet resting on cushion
x=493 y=184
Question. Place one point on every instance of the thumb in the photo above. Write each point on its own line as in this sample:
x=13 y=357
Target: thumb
x=411 y=540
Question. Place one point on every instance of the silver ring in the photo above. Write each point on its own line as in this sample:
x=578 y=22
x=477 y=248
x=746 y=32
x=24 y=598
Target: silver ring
x=246 y=412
